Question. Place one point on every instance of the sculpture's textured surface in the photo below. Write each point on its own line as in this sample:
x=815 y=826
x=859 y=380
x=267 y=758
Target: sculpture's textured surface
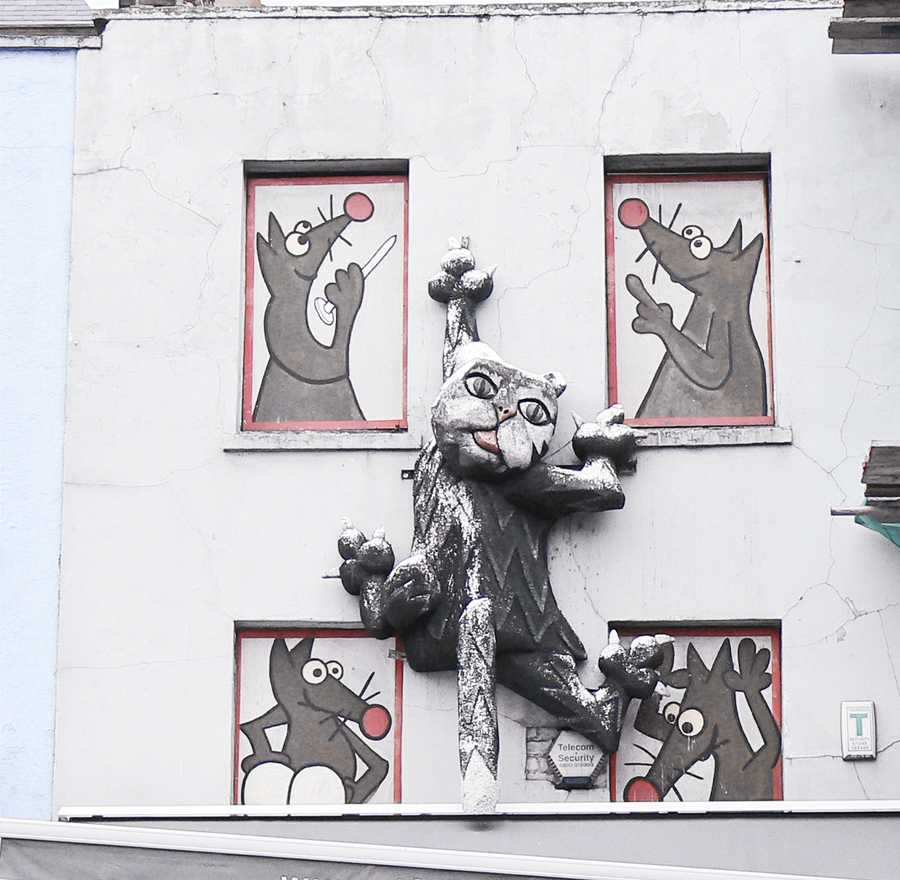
x=475 y=593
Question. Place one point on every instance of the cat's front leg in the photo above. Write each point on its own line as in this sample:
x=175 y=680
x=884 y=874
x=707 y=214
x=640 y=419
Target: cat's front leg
x=411 y=591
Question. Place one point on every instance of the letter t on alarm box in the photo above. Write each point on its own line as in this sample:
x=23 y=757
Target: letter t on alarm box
x=858 y=730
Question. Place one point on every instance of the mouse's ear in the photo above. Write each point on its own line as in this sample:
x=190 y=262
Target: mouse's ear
x=301 y=652
x=733 y=245
x=556 y=382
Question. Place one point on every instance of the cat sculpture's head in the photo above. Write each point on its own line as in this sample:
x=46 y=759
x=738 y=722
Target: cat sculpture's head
x=490 y=418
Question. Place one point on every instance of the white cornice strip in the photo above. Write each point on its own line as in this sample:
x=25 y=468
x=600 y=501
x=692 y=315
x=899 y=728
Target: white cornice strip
x=366 y=854
x=732 y=808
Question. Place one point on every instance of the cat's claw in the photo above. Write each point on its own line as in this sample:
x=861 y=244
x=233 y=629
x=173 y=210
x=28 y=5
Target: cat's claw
x=607 y=437
x=362 y=558
x=636 y=668
x=458 y=276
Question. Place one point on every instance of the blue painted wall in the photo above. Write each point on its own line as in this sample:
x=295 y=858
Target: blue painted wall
x=37 y=111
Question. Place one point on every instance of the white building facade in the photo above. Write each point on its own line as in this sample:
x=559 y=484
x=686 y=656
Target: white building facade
x=192 y=525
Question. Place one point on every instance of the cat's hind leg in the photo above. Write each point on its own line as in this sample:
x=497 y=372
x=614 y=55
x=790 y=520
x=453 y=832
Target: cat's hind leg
x=550 y=680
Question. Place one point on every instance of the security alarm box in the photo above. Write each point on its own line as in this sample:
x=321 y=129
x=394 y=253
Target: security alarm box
x=858 y=730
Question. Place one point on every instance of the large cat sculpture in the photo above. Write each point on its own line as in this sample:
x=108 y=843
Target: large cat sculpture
x=475 y=593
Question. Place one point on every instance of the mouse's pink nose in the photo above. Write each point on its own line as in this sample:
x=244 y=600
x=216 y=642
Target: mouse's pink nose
x=633 y=213
x=641 y=790
x=376 y=722
x=359 y=207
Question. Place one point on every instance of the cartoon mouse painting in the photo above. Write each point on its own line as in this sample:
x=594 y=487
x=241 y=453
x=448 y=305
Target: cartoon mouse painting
x=712 y=364
x=307 y=377
x=705 y=724
x=321 y=756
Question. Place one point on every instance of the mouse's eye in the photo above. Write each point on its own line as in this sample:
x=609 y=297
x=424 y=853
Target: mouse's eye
x=479 y=385
x=314 y=672
x=670 y=713
x=690 y=722
x=296 y=242
x=691 y=232
x=534 y=411
x=701 y=247
x=335 y=670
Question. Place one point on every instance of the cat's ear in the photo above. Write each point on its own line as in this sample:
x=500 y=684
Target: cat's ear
x=557 y=383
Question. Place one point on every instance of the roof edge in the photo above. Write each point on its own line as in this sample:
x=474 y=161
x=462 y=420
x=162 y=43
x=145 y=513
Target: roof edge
x=462 y=10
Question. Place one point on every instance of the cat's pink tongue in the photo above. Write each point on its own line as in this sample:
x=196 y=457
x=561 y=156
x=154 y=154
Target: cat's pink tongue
x=487 y=440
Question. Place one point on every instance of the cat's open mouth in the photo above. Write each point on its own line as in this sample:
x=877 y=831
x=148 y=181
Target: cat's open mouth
x=487 y=440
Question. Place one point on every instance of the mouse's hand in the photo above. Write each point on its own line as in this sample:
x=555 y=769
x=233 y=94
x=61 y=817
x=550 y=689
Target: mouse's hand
x=652 y=317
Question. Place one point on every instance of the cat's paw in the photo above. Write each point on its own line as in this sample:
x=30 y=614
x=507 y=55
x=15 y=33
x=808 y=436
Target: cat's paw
x=608 y=437
x=411 y=592
x=636 y=668
x=459 y=277
x=362 y=558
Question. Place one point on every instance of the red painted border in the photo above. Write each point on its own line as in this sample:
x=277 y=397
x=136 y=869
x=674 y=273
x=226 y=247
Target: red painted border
x=723 y=630
x=247 y=423
x=323 y=633
x=612 y=350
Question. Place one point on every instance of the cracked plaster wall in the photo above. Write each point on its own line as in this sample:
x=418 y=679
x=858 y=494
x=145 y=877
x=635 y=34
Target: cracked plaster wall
x=505 y=121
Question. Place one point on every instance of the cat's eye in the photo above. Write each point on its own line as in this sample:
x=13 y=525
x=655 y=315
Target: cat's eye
x=478 y=385
x=534 y=411
x=314 y=671
x=335 y=670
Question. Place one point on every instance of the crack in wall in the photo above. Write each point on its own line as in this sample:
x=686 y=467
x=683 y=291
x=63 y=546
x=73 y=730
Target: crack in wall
x=840 y=633
x=755 y=103
x=531 y=82
x=862 y=785
x=887 y=642
x=612 y=86
x=566 y=263
x=370 y=54
x=803 y=596
x=143 y=664
x=279 y=129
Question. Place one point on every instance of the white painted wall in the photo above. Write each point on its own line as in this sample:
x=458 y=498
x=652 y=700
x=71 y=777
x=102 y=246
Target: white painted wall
x=37 y=118
x=505 y=121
